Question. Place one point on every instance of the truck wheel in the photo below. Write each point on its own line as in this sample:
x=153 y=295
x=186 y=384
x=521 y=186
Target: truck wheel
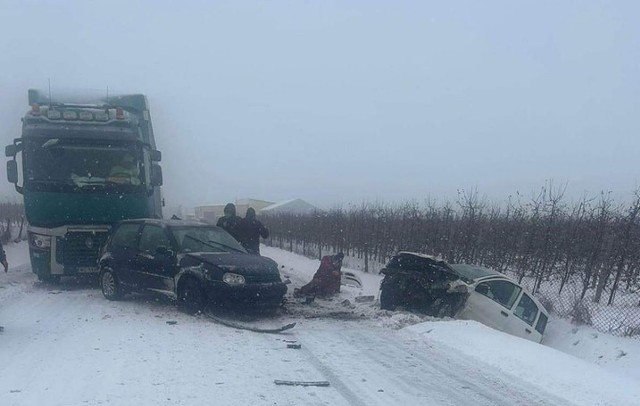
x=110 y=285
x=387 y=297
x=190 y=296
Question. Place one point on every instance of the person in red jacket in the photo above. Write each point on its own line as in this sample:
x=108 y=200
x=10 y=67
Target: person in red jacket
x=326 y=280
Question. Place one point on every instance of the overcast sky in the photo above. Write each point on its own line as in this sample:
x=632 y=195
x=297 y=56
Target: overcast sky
x=338 y=102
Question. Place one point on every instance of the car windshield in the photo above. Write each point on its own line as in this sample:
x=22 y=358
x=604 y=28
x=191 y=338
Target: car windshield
x=81 y=165
x=205 y=239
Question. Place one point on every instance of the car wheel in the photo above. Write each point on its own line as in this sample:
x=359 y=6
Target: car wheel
x=190 y=296
x=387 y=297
x=110 y=285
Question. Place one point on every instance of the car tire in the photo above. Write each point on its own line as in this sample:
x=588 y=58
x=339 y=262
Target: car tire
x=387 y=297
x=110 y=285
x=191 y=297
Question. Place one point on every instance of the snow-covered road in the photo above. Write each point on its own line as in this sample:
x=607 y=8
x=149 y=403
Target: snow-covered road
x=67 y=345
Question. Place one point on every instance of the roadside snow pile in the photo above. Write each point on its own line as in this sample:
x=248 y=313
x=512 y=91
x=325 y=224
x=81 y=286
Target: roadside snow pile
x=617 y=354
x=571 y=378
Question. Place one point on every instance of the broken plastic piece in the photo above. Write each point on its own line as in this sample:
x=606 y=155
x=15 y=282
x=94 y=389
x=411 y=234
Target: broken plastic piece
x=301 y=383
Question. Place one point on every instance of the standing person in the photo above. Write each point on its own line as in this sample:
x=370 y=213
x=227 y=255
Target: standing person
x=230 y=222
x=251 y=230
x=3 y=261
x=326 y=280
x=3 y=258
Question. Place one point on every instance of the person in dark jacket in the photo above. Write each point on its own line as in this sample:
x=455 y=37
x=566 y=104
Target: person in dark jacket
x=251 y=230
x=326 y=280
x=3 y=261
x=230 y=222
x=3 y=258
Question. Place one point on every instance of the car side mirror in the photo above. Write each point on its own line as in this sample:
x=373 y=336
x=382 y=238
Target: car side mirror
x=482 y=289
x=12 y=171
x=156 y=175
x=163 y=253
x=156 y=156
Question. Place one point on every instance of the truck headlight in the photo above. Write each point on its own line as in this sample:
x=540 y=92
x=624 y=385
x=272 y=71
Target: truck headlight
x=233 y=279
x=40 y=241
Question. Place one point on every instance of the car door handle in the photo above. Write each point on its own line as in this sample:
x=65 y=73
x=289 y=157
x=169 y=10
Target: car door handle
x=505 y=314
x=527 y=330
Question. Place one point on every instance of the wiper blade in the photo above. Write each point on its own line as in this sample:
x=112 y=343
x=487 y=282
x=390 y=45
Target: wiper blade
x=226 y=246
x=49 y=181
x=200 y=241
x=212 y=244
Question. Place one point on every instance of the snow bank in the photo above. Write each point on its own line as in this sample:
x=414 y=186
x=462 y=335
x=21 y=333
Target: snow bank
x=620 y=355
x=571 y=378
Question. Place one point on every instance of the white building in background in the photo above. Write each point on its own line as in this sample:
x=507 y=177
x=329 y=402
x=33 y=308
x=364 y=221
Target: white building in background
x=211 y=213
x=293 y=206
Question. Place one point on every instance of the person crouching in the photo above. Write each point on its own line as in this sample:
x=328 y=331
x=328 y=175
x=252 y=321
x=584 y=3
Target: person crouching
x=326 y=280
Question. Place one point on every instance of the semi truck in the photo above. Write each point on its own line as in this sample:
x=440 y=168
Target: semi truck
x=82 y=164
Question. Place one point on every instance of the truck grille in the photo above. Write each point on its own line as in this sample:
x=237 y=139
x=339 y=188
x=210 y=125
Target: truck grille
x=82 y=248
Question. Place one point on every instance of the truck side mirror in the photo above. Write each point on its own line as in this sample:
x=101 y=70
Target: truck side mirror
x=156 y=156
x=10 y=151
x=156 y=175
x=12 y=171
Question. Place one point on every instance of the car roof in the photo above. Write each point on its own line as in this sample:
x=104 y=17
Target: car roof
x=480 y=273
x=417 y=254
x=475 y=272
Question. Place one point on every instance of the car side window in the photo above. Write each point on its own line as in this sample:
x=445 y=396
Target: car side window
x=542 y=323
x=526 y=310
x=503 y=292
x=125 y=236
x=153 y=237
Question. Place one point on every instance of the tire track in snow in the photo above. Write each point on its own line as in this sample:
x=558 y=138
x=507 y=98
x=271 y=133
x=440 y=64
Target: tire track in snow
x=408 y=376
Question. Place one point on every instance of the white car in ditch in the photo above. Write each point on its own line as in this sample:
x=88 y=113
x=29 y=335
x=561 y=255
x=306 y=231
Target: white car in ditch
x=431 y=285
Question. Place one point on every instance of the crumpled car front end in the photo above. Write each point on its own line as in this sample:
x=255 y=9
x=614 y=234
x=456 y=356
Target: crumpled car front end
x=240 y=280
x=423 y=284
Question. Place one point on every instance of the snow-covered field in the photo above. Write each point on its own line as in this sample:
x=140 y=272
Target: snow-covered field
x=66 y=345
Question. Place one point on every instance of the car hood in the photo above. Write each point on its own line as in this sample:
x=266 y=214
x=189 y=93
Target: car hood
x=240 y=263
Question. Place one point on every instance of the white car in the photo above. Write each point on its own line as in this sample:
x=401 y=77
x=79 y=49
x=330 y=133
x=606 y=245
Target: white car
x=470 y=292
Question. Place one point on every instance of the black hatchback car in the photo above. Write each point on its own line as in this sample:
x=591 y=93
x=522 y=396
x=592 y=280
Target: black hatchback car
x=195 y=263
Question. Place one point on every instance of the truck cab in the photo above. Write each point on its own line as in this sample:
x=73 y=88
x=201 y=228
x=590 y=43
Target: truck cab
x=82 y=165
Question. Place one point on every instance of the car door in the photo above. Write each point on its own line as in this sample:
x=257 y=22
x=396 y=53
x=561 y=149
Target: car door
x=155 y=270
x=525 y=315
x=123 y=249
x=490 y=303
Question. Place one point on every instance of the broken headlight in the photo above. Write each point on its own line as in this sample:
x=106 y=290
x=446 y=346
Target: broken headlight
x=233 y=279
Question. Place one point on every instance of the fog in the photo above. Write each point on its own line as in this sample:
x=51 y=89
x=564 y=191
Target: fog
x=338 y=102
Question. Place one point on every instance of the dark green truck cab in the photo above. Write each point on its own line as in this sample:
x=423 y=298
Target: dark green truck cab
x=82 y=164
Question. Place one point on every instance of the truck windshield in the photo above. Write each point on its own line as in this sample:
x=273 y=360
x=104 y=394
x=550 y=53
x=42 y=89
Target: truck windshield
x=82 y=165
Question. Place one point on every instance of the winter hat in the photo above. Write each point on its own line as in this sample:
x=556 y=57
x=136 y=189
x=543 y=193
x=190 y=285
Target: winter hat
x=230 y=209
x=339 y=256
x=251 y=213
